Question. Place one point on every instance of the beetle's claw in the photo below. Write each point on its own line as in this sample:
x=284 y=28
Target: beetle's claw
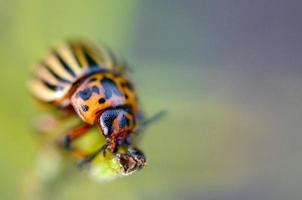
x=66 y=142
x=103 y=149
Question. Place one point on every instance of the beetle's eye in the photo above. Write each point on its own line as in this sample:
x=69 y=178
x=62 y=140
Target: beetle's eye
x=106 y=121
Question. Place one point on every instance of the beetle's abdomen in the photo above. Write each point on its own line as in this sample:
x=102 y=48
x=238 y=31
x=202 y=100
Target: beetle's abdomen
x=102 y=91
x=54 y=77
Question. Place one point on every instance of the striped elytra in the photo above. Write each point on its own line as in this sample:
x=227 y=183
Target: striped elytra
x=55 y=75
x=81 y=74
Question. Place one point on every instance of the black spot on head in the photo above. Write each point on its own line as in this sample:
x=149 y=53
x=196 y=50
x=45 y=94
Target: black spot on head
x=95 y=89
x=126 y=96
x=110 y=88
x=85 y=108
x=84 y=94
x=102 y=100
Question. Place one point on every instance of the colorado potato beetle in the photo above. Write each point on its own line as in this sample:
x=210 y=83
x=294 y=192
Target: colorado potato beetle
x=81 y=78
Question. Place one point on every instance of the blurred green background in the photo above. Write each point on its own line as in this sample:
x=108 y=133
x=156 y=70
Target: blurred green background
x=228 y=73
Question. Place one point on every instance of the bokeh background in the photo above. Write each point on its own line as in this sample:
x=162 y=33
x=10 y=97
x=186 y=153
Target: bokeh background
x=229 y=73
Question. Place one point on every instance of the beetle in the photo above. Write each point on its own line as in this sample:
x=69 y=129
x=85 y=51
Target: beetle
x=82 y=78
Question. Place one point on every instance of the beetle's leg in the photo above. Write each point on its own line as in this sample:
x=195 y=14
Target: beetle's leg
x=88 y=158
x=104 y=148
x=78 y=153
x=111 y=144
x=91 y=156
x=73 y=134
x=150 y=120
x=82 y=156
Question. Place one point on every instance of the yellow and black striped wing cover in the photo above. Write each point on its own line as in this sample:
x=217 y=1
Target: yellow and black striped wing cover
x=55 y=75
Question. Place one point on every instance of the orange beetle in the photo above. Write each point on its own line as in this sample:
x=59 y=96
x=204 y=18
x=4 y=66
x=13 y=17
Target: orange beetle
x=89 y=80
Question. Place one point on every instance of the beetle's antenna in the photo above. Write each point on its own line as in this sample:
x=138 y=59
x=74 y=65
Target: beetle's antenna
x=154 y=118
x=150 y=120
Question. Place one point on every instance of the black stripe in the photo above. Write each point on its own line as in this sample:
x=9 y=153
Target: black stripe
x=55 y=75
x=92 y=80
x=112 y=56
x=51 y=86
x=72 y=48
x=64 y=64
x=91 y=62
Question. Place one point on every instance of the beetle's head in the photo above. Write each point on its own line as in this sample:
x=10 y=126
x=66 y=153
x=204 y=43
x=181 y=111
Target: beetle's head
x=116 y=124
x=132 y=161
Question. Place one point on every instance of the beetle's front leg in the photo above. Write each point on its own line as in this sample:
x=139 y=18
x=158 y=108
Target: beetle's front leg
x=148 y=121
x=73 y=134
x=102 y=150
x=108 y=145
x=115 y=141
